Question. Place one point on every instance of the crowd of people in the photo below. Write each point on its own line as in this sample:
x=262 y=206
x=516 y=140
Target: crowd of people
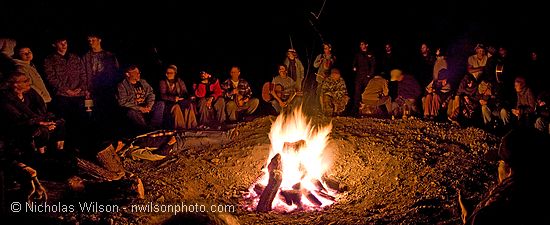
x=43 y=107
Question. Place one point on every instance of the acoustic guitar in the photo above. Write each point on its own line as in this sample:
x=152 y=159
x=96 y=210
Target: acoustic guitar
x=270 y=87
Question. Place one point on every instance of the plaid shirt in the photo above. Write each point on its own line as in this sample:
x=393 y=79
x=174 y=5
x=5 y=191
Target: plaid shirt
x=65 y=73
x=243 y=87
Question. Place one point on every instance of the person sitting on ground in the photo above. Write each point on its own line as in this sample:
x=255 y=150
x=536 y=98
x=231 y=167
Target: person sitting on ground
x=542 y=112
x=465 y=101
x=238 y=96
x=491 y=105
x=284 y=91
x=136 y=97
x=525 y=103
x=334 y=94
x=210 y=100
x=519 y=197
x=177 y=102
x=437 y=96
x=375 y=95
x=25 y=117
x=408 y=91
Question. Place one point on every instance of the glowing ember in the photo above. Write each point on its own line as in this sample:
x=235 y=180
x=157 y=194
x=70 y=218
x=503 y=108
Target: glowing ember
x=301 y=147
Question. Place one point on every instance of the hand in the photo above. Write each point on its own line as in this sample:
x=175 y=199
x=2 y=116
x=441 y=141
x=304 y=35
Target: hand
x=235 y=91
x=77 y=91
x=49 y=125
x=144 y=109
x=515 y=112
x=209 y=102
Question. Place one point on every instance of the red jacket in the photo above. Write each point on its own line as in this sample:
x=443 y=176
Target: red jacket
x=213 y=90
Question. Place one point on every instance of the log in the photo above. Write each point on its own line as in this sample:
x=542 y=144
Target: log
x=292 y=197
x=110 y=160
x=334 y=184
x=325 y=195
x=294 y=145
x=275 y=179
x=259 y=189
x=311 y=197
x=96 y=171
x=112 y=191
x=319 y=185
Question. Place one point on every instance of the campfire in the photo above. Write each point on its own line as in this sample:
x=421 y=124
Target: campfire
x=293 y=177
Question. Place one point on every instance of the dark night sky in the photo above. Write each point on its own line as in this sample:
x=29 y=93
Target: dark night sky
x=255 y=34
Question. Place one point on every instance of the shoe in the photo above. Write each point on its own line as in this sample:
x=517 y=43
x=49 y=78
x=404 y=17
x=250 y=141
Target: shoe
x=454 y=122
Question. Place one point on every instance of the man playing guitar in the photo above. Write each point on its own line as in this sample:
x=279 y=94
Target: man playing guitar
x=238 y=95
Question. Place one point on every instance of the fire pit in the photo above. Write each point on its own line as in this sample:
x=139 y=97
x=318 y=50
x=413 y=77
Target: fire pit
x=293 y=178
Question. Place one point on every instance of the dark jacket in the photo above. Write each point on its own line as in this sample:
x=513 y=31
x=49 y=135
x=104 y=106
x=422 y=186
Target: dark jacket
x=408 y=88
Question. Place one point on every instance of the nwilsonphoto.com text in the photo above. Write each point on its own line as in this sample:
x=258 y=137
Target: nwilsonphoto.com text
x=95 y=207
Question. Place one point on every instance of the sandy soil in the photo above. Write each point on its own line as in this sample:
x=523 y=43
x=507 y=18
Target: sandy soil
x=397 y=172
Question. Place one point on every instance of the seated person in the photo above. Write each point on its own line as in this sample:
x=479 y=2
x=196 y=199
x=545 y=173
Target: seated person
x=334 y=94
x=375 y=95
x=438 y=93
x=542 y=112
x=136 y=97
x=285 y=97
x=211 y=102
x=408 y=90
x=525 y=103
x=519 y=197
x=25 y=118
x=176 y=100
x=238 y=95
x=491 y=105
x=465 y=101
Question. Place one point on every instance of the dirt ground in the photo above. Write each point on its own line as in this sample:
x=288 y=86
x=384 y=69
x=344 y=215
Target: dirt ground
x=395 y=172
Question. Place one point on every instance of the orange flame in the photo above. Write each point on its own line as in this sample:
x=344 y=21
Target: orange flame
x=304 y=166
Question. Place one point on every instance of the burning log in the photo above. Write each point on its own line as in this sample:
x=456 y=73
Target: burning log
x=275 y=179
x=319 y=185
x=292 y=197
x=259 y=189
x=325 y=195
x=334 y=184
x=311 y=198
x=294 y=145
